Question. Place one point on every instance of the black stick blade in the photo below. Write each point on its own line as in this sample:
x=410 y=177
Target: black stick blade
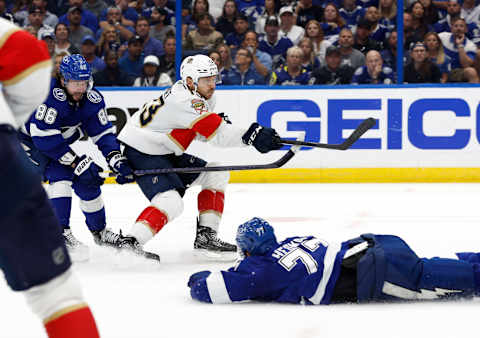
x=361 y=129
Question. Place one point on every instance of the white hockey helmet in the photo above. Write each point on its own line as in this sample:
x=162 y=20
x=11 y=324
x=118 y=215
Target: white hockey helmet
x=197 y=66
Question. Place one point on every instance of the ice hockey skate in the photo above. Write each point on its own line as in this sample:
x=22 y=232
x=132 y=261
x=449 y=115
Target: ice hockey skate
x=78 y=251
x=131 y=244
x=107 y=237
x=207 y=244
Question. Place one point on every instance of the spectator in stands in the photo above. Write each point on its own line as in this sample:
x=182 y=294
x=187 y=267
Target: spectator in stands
x=420 y=69
x=431 y=12
x=349 y=55
x=306 y=11
x=151 y=46
x=419 y=22
x=310 y=60
x=287 y=25
x=132 y=62
x=114 y=17
x=151 y=75
x=88 y=52
x=62 y=41
x=269 y=10
x=437 y=55
x=470 y=11
x=389 y=53
x=226 y=56
x=363 y=42
x=233 y=40
x=454 y=11
x=203 y=38
x=215 y=56
x=244 y=72
x=89 y=19
x=190 y=21
x=332 y=73
x=167 y=61
x=333 y=22
x=159 y=27
x=373 y=72
x=273 y=44
x=409 y=36
x=77 y=30
x=161 y=4
x=49 y=38
x=461 y=51
x=96 y=7
x=261 y=60
x=35 y=18
x=109 y=41
x=5 y=13
x=314 y=32
x=388 y=14
x=225 y=21
x=377 y=31
x=128 y=14
x=57 y=60
x=351 y=13
x=49 y=19
x=292 y=73
x=112 y=75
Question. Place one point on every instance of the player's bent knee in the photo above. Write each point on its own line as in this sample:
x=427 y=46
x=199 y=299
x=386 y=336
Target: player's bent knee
x=62 y=292
x=169 y=202
x=214 y=180
x=59 y=189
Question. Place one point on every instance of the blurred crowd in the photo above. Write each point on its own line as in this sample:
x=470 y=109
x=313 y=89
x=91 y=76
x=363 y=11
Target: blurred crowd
x=266 y=42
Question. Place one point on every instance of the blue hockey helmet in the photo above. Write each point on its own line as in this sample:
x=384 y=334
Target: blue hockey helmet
x=75 y=67
x=256 y=236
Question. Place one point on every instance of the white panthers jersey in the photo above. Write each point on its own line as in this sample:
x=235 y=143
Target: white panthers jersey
x=170 y=123
x=24 y=75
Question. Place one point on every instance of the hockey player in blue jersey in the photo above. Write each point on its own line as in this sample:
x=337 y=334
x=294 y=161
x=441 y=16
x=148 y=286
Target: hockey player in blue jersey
x=308 y=270
x=72 y=108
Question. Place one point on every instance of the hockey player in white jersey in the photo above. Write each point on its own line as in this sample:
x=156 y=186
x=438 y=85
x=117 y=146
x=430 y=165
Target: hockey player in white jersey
x=158 y=135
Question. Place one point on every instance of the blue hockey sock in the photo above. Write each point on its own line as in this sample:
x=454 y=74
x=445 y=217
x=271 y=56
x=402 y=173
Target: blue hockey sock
x=62 y=207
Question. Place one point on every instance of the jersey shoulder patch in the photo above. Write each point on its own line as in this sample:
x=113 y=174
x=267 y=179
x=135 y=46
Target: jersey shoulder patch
x=59 y=94
x=94 y=96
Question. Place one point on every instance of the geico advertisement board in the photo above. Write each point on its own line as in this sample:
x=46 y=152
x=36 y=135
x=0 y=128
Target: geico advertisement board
x=416 y=127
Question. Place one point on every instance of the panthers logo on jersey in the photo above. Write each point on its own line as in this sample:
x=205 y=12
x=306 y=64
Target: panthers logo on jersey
x=59 y=94
x=93 y=96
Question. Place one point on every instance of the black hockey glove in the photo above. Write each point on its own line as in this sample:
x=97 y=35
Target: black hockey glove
x=264 y=139
x=225 y=118
x=87 y=171
x=120 y=166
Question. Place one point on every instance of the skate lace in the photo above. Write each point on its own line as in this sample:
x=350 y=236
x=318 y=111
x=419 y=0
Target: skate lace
x=212 y=235
x=70 y=239
x=110 y=236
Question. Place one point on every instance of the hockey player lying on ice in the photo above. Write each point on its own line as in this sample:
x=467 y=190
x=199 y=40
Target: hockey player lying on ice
x=308 y=270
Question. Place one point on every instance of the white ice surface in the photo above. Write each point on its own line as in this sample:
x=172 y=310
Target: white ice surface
x=131 y=297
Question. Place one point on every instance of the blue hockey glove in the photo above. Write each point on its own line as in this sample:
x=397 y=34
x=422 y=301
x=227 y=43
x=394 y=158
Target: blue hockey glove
x=202 y=275
x=264 y=139
x=87 y=171
x=119 y=165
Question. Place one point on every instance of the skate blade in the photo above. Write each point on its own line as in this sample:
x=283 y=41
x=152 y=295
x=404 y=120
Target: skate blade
x=78 y=256
x=216 y=255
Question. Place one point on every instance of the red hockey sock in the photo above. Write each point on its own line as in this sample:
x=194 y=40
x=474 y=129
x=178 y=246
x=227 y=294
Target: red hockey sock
x=73 y=322
x=153 y=218
x=211 y=200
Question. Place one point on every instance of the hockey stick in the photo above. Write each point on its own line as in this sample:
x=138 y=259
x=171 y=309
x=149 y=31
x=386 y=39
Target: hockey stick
x=357 y=133
x=277 y=164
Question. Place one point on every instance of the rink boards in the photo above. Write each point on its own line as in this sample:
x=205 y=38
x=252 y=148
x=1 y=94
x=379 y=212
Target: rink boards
x=423 y=133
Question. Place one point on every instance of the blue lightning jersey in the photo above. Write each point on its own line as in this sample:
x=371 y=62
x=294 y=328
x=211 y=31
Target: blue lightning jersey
x=58 y=122
x=298 y=270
